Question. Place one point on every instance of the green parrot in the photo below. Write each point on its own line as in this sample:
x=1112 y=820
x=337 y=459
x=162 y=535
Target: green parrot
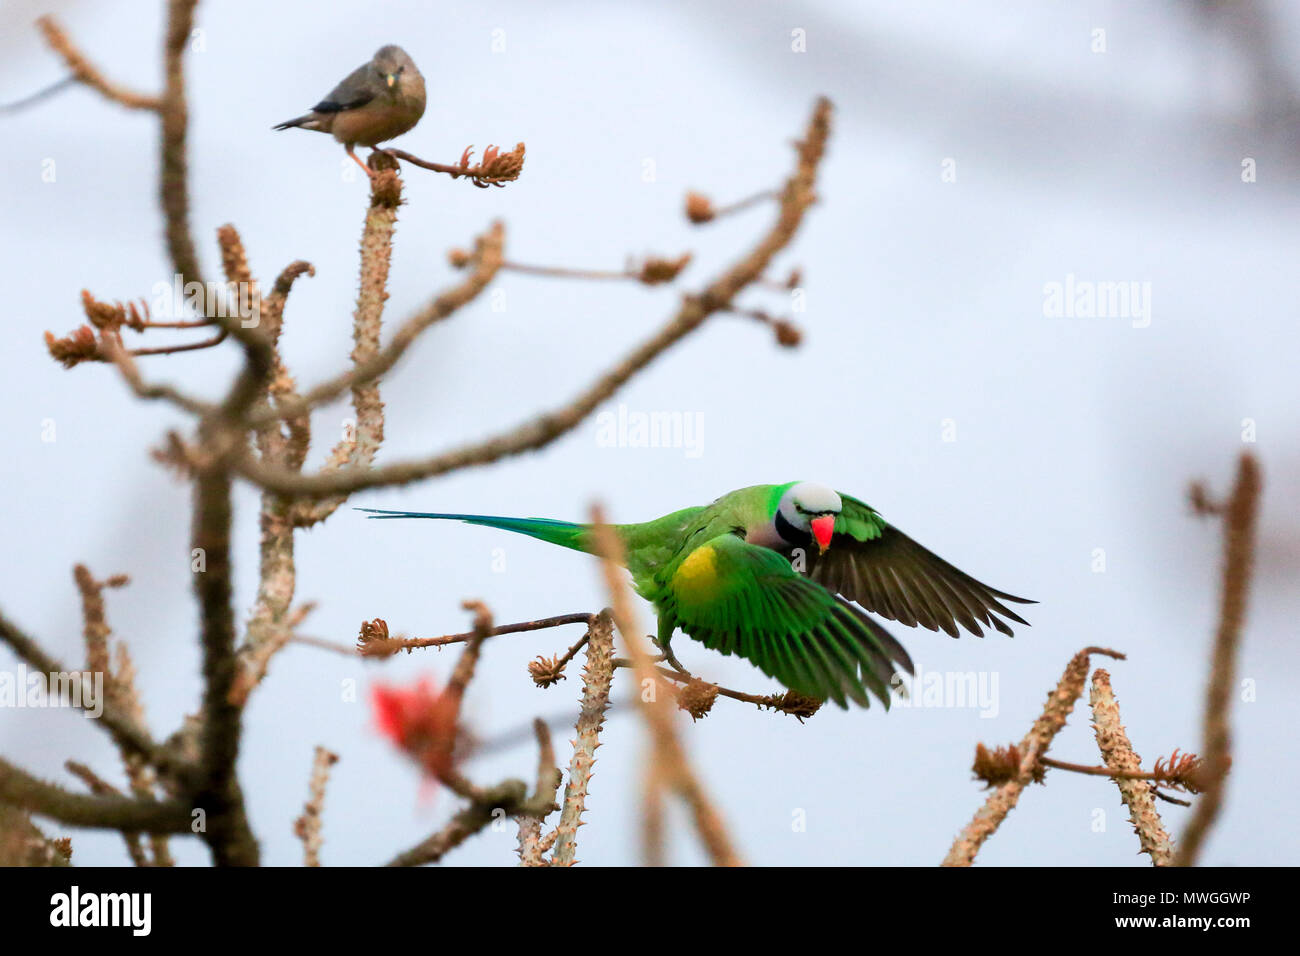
x=768 y=573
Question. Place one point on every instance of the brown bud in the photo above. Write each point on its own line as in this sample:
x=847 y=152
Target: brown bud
x=174 y=454
x=698 y=208
x=1201 y=502
x=501 y=167
x=655 y=271
x=798 y=706
x=546 y=671
x=373 y=639
x=1182 y=772
x=1000 y=765
x=697 y=698
x=102 y=315
x=996 y=766
x=788 y=334
x=136 y=317
x=80 y=346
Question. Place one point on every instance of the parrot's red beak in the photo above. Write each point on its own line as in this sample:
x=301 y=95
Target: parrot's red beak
x=822 y=529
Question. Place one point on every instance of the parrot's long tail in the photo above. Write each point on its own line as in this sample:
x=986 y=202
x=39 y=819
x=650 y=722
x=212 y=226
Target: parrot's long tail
x=564 y=533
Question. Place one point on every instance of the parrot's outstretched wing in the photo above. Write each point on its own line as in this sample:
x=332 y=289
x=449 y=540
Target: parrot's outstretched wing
x=873 y=563
x=743 y=599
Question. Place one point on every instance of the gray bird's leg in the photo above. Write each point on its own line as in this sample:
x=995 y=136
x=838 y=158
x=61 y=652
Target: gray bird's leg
x=356 y=159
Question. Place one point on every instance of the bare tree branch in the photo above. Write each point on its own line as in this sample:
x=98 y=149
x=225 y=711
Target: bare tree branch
x=597 y=676
x=1118 y=754
x=1060 y=703
x=21 y=789
x=796 y=197
x=668 y=755
x=383 y=646
x=219 y=793
x=544 y=793
x=84 y=72
x=126 y=733
x=173 y=184
x=308 y=826
x=487 y=260
x=1239 y=519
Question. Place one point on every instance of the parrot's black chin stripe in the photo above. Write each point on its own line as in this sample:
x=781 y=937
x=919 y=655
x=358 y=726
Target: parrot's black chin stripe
x=790 y=533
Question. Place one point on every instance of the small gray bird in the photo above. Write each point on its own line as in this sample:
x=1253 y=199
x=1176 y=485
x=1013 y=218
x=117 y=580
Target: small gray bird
x=376 y=102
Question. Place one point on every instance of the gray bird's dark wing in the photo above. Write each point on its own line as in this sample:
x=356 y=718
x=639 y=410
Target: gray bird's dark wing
x=357 y=89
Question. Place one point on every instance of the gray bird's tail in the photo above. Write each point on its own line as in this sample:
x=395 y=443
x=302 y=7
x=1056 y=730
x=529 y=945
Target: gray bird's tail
x=303 y=121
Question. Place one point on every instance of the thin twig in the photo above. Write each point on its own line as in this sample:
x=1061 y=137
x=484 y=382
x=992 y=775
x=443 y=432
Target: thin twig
x=700 y=209
x=495 y=169
x=654 y=270
x=34 y=98
x=1103 y=771
x=1238 y=560
x=384 y=647
x=463 y=825
x=118 y=687
x=207 y=343
x=84 y=72
x=796 y=706
x=120 y=356
x=142 y=774
x=545 y=790
x=95 y=629
x=173 y=182
x=308 y=826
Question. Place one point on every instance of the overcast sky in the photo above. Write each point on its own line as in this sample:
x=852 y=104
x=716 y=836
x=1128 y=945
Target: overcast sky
x=932 y=383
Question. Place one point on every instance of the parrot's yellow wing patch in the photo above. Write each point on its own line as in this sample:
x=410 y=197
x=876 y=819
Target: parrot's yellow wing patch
x=697 y=576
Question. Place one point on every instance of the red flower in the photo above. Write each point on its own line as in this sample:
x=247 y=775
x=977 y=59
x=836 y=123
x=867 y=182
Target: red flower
x=420 y=721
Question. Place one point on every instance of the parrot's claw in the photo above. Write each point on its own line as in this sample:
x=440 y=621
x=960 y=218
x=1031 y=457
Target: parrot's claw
x=671 y=658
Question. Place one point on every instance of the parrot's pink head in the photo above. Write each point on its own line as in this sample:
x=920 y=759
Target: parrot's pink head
x=807 y=510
